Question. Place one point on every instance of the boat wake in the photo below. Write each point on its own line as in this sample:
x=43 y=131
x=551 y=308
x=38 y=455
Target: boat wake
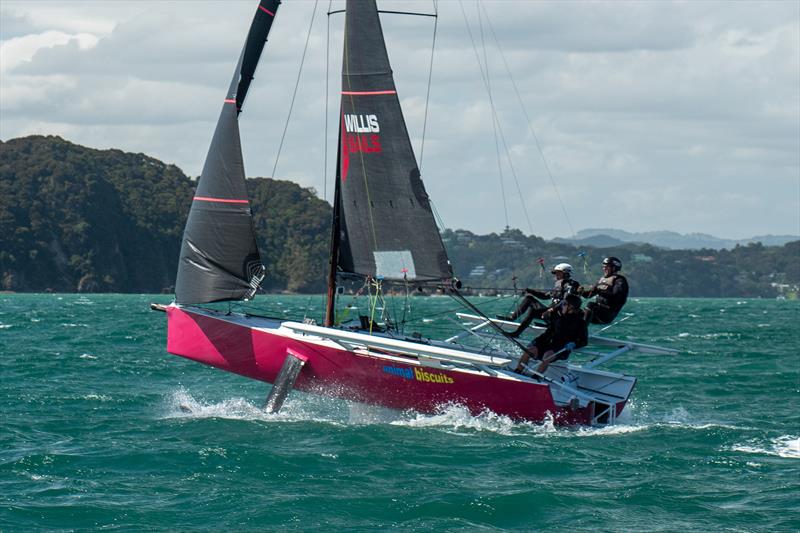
x=181 y=404
x=451 y=418
x=456 y=418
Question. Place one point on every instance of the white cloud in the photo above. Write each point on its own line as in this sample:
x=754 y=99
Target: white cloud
x=18 y=50
x=652 y=115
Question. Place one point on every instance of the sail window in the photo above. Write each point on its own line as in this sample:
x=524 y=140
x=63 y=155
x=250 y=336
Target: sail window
x=395 y=265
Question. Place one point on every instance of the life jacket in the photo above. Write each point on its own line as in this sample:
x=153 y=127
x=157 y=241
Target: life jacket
x=605 y=295
x=562 y=288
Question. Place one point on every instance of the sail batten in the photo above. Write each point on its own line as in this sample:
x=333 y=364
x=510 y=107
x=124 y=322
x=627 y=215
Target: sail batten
x=219 y=258
x=387 y=224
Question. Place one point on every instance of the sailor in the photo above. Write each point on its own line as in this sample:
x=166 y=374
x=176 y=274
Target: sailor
x=611 y=293
x=534 y=308
x=566 y=330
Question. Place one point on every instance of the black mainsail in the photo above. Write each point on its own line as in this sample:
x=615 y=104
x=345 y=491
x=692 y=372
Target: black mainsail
x=387 y=228
x=219 y=257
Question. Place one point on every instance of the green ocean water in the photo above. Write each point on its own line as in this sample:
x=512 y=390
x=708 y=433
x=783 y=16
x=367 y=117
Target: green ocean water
x=92 y=435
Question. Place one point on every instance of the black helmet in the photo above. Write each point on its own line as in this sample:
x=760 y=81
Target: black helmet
x=615 y=263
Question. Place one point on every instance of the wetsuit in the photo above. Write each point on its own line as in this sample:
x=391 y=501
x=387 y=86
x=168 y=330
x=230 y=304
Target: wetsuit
x=611 y=294
x=563 y=329
x=535 y=308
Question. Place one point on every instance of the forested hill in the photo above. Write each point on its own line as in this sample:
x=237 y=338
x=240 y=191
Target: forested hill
x=78 y=219
x=752 y=270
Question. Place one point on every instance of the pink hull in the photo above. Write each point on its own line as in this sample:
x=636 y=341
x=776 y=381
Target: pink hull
x=332 y=371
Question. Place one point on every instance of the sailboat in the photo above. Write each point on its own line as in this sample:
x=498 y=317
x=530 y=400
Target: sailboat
x=383 y=228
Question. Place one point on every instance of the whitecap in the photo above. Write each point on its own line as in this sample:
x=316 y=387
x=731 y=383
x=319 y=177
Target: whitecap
x=88 y=356
x=787 y=446
x=218 y=451
x=5 y=326
x=97 y=397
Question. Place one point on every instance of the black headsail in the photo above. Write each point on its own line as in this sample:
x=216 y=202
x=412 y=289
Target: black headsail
x=387 y=226
x=219 y=257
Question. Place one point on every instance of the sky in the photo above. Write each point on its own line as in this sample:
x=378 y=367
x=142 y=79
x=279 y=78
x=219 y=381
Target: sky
x=637 y=115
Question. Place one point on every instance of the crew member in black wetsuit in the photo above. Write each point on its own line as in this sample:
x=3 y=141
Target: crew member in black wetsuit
x=532 y=308
x=611 y=293
x=566 y=327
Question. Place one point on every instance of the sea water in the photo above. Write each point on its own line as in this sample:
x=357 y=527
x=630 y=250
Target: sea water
x=102 y=429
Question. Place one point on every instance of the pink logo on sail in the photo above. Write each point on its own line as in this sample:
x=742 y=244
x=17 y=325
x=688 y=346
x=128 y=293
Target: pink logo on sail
x=359 y=135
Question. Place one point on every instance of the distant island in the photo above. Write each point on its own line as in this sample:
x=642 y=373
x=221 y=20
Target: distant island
x=608 y=237
x=74 y=218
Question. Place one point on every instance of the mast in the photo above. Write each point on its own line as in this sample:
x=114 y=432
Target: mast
x=334 y=254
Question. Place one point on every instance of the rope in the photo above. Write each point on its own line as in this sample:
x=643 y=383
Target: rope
x=296 y=85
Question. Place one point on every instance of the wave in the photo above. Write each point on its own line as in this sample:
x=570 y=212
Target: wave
x=786 y=446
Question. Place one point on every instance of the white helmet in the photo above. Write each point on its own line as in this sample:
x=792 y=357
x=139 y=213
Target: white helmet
x=566 y=268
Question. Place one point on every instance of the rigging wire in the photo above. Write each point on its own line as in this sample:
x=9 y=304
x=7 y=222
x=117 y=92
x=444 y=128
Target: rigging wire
x=496 y=118
x=436 y=216
x=457 y=296
x=296 y=85
x=488 y=343
x=450 y=311
x=327 y=98
x=494 y=121
x=428 y=93
x=529 y=122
